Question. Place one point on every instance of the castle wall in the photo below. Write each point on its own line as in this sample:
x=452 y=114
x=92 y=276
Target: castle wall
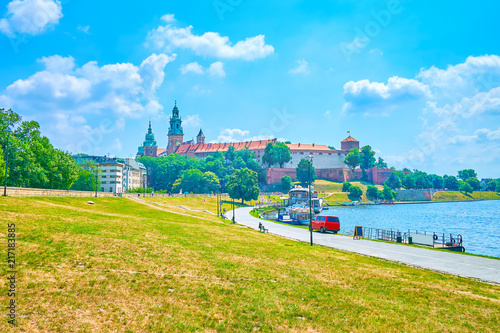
x=374 y=175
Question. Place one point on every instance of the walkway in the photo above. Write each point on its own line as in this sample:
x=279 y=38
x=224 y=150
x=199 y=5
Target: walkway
x=484 y=269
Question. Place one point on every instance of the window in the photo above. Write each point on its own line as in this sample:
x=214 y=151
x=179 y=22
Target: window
x=333 y=219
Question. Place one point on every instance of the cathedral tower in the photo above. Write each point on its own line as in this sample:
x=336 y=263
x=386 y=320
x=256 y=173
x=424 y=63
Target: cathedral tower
x=200 y=138
x=149 y=146
x=175 y=133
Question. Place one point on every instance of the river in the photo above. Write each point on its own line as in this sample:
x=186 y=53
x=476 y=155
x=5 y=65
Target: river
x=477 y=221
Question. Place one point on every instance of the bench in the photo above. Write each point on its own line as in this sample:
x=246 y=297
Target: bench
x=262 y=229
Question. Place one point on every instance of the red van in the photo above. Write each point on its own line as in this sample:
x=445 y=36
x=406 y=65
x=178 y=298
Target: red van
x=325 y=223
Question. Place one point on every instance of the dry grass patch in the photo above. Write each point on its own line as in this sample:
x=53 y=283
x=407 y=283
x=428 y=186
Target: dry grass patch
x=120 y=265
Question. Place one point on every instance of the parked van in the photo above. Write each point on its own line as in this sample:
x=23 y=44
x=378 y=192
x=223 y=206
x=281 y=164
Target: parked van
x=325 y=223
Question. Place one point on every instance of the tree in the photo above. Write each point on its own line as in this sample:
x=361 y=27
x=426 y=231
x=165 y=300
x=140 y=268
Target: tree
x=497 y=188
x=372 y=192
x=87 y=180
x=466 y=188
x=466 y=174
x=367 y=158
x=353 y=159
x=437 y=181
x=388 y=194
x=451 y=183
x=345 y=186
x=239 y=163
x=210 y=182
x=302 y=171
x=355 y=192
x=268 y=157
x=243 y=184
x=492 y=184
x=393 y=181
x=281 y=153
x=474 y=183
x=286 y=183
x=191 y=181
x=229 y=154
x=381 y=164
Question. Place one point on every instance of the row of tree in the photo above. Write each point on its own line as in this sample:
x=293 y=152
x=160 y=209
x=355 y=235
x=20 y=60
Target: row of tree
x=33 y=161
x=364 y=158
x=372 y=192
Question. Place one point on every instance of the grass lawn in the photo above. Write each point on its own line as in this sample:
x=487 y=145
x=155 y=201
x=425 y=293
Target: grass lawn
x=120 y=265
x=456 y=195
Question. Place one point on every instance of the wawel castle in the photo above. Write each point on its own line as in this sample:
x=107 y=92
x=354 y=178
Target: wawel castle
x=328 y=163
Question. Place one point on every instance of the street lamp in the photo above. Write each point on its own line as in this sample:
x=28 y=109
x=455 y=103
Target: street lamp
x=96 y=180
x=233 y=212
x=6 y=161
x=309 y=159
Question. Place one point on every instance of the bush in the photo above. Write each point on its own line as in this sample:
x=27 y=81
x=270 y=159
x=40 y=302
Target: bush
x=286 y=183
x=345 y=186
x=372 y=192
x=355 y=192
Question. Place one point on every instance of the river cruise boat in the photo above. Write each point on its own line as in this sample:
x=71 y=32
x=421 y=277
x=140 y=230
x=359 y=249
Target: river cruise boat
x=300 y=196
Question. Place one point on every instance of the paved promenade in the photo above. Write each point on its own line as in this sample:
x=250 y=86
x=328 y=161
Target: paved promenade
x=447 y=262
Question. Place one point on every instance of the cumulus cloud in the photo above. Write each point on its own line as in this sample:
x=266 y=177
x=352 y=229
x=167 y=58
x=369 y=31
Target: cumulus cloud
x=193 y=67
x=216 y=69
x=192 y=121
x=368 y=97
x=169 y=18
x=30 y=17
x=301 y=68
x=239 y=135
x=464 y=101
x=84 y=28
x=210 y=44
x=77 y=104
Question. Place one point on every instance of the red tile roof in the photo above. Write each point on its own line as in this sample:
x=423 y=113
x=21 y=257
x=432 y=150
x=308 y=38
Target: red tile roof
x=307 y=147
x=215 y=147
x=350 y=138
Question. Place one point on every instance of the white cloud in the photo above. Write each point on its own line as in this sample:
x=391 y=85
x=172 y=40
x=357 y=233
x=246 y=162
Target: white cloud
x=199 y=90
x=463 y=103
x=30 y=17
x=84 y=28
x=192 y=121
x=79 y=106
x=169 y=18
x=377 y=52
x=239 y=135
x=193 y=67
x=374 y=97
x=209 y=44
x=327 y=113
x=217 y=69
x=117 y=145
x=302 y=68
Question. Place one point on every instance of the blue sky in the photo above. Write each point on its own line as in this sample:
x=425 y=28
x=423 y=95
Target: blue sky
x=419 y=81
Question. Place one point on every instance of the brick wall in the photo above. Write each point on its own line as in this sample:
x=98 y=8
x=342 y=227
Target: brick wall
x=374 y=175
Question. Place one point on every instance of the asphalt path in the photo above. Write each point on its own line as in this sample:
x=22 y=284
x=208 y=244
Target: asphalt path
x=480 y=268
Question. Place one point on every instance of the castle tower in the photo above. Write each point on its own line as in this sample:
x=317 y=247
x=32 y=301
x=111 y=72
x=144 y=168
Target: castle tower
x=349 y=143
x=175 y=133
x=200 y=138
x=149 y=146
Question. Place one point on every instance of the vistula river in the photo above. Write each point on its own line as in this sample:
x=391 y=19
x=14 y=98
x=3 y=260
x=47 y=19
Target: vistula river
x=477 y=221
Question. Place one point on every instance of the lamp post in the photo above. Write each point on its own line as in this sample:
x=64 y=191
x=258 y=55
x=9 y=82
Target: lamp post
x=233 y=212
x=309 y=159
x=6 y=161
x=96 y=181
x=218 y=207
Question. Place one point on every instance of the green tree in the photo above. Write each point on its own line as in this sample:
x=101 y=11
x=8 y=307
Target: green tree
x=466 y=188
x=243 y=184
x=388 y=193
x=474 y=183
x=451 y=183
x=345 y=186
x=353 y=159
x=191 y=181
x=492 y=184
x=437 y=181
x=355 y=193
x=372 y=192
x=2 y=168
x=268 y=157
x=229 y=155
x=466 y=174
x=239 y=163
x=87 y=180
x=286 y=183
x=393 y=181
x=497 y=188
x=210 y=182
x=302 y=171
x=367 y=158
x=381 y=164
x=281 y=153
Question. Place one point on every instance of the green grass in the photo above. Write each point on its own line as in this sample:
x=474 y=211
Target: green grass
x=459 y=196
x=120 y=265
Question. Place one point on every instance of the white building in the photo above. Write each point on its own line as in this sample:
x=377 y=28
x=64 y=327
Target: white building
x=134 y=175
x=111 y=176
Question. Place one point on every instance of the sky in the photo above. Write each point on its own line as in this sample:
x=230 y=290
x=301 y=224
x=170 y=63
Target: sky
x=418 y=81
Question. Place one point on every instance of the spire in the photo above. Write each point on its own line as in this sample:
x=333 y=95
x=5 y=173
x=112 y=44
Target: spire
x=200 y=134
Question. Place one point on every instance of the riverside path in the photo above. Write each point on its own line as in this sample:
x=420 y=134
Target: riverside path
x=484 y=269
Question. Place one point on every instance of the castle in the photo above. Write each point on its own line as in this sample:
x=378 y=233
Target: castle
x=328 y=163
